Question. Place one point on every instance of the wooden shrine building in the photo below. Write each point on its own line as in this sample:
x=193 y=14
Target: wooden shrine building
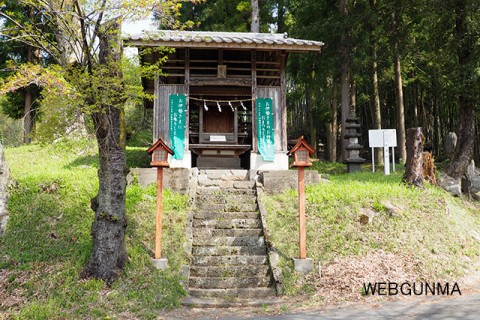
x=220 y=101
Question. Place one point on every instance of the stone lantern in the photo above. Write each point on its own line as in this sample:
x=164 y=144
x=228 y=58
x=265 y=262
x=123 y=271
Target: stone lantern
x=352 y=133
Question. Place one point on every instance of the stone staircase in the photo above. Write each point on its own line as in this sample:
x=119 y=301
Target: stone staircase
x=229 y=256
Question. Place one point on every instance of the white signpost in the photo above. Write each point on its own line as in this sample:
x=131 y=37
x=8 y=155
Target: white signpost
x=383 y=138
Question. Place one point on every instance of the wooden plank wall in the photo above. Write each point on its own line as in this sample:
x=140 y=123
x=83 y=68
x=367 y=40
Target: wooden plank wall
x=161 y=109
x=279 y=112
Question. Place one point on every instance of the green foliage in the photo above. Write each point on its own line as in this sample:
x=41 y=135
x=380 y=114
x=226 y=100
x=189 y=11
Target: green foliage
x=60 y=117
x=325 y=167
x=80 y=80
x=225 y=15
x=137 y=157
x=442 y=243
x=11 y=131
x=12 y=104
x=48 y=241
x=425 y=33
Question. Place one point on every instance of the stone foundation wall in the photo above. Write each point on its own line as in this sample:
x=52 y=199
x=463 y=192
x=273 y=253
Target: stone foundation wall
x=283 y=180
x=4 y=181
x=176 y=179
x=184 y=180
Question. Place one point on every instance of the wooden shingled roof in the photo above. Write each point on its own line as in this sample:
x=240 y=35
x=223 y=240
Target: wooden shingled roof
x=203 y=39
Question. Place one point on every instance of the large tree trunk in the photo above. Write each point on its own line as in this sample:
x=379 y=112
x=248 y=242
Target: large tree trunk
x=27 y=110
x=109 y=252
x=414 y=164
x=353 y=95
x=255 y=26
x=281 y=26
x=332 y=142
x=400 y=109
x=415 y=105
x=345 y=77
x=62 y=39
x=375 y=94
x=375 y=100
x=27 y=116
x=399 y=96
x=311 y=117
x=436 y=122
x=29 y=93
x=466 y=135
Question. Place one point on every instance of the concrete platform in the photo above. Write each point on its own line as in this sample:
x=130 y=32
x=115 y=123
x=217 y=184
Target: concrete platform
x=160 y=264
x=303 y=265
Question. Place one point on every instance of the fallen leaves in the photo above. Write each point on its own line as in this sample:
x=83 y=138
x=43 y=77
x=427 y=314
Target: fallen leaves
x=343 y=279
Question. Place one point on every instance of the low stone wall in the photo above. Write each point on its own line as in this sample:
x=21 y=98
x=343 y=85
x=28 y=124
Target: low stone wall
x=184 y=180
x=282 y=180
x=4 y=181
x=180 y=180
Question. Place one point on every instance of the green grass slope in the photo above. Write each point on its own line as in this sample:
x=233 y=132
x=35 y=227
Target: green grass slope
x=413 y=234
x=48 y=240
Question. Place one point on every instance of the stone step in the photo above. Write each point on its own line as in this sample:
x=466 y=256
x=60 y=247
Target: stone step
x=226 y=198
x=228 y=223
x=238 y=206
x=247 y=185
x=225 y=191
x=211 y=198
x=234 y=206
x=206 y=240
x=193 y=302
x=226 y=215
x=205 y=206
x=230 y=271
x=208 y=232
x=228 y=282
x=242 y=260
x=232 y=294
x=215 y=183
x=228 y=250
x=237 y=232
x=237 y=175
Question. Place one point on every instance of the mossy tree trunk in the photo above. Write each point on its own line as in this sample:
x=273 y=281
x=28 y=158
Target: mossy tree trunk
x=109 y=252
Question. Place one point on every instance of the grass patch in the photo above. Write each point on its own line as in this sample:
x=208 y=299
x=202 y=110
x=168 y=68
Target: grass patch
x=48 y=242
x=137 y=157
x=328 y=167
x=429 y=225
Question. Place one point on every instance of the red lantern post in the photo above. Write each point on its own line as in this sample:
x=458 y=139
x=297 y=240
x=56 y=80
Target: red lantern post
x=159 y=152
x=301 y=152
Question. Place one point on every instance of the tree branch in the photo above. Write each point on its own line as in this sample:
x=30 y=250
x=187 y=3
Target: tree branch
x=84 y=36
x=35 y=42
x=99 y=20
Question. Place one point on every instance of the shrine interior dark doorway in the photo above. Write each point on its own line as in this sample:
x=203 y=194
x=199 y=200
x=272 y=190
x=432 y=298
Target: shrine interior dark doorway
x=220 y=134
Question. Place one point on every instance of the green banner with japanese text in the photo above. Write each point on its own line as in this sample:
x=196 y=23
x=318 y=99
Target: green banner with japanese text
x=177 y=121
x=265 y=128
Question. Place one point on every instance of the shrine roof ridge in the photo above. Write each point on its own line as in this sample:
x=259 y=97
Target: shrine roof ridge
x=208 y=39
